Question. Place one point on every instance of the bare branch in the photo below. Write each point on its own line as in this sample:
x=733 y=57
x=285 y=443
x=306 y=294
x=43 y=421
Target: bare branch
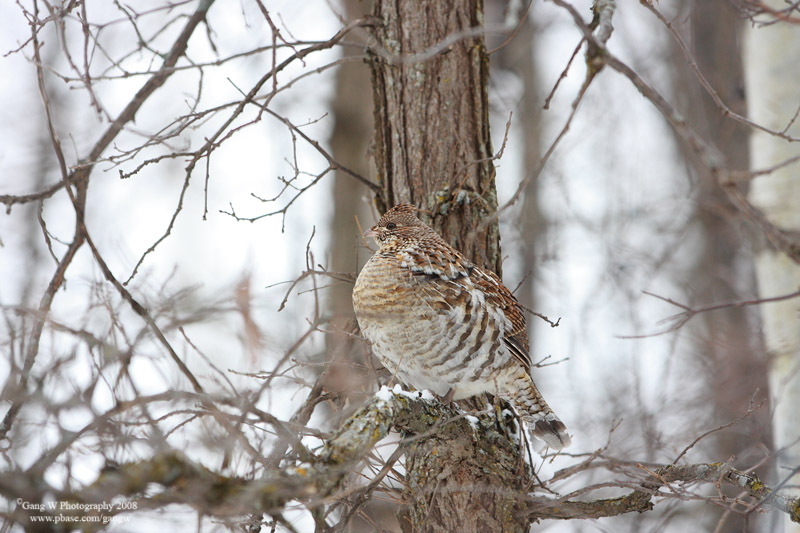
x=680 y=319
x=724 y=109
x=705 y=151
x=185 y=482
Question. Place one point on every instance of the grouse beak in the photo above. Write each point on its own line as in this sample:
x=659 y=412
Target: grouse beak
x=371 y=232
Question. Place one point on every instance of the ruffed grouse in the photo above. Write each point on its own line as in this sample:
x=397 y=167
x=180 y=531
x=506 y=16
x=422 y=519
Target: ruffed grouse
x=438 y=322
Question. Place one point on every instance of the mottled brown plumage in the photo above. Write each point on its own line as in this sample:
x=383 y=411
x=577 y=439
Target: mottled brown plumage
x=438 y=322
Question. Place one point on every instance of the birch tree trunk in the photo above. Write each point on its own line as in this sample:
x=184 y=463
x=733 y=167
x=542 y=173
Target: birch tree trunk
x=432 y=149
x=772 y=71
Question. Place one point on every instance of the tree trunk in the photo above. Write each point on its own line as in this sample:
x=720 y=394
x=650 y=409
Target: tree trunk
x=517 y=55
x=432 y=149
x=729 y=352
x=432 y=145
x=350 y=138
x=346 y=371
x=349 y=141
x=773 y=90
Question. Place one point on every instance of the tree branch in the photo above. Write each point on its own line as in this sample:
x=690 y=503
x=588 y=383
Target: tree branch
x=640 y=500
x=414 y=414
x=787 y=242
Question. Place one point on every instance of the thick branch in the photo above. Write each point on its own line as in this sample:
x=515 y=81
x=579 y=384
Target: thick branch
x=186 y=482
x=640 y=500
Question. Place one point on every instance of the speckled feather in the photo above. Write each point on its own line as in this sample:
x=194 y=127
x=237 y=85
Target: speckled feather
x=438 y=322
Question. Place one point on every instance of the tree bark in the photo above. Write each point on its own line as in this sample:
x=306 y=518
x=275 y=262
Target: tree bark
x=773 y=90
x=432 y=144
x=432 y=149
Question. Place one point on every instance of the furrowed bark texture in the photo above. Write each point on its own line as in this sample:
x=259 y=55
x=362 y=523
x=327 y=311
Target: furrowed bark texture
x=432 y=149
x=432 y=144
x=466 y=482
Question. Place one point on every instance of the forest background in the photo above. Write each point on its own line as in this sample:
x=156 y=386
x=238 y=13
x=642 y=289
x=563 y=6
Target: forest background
x=186 y=187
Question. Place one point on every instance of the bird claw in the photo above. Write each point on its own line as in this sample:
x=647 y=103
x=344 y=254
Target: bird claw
x=447 y=399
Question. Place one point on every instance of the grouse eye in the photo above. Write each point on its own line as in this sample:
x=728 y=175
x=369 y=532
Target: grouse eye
x=391 y=225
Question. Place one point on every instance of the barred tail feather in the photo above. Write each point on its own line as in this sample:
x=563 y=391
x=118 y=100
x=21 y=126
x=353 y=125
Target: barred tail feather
x=550 y=430
x=543 y=424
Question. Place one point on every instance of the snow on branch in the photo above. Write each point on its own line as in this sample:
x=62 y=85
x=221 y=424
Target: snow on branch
x=182 y=481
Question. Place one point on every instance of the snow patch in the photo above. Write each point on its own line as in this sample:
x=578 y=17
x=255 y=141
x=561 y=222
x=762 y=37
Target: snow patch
x=413 y=395
x=385 y=394
x=426 y=395
x=473 y=421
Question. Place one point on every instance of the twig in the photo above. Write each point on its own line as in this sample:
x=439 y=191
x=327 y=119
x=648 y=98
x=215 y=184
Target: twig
x=217 y=137
x=725 y=110
x=750 y=410
x=688 y=313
